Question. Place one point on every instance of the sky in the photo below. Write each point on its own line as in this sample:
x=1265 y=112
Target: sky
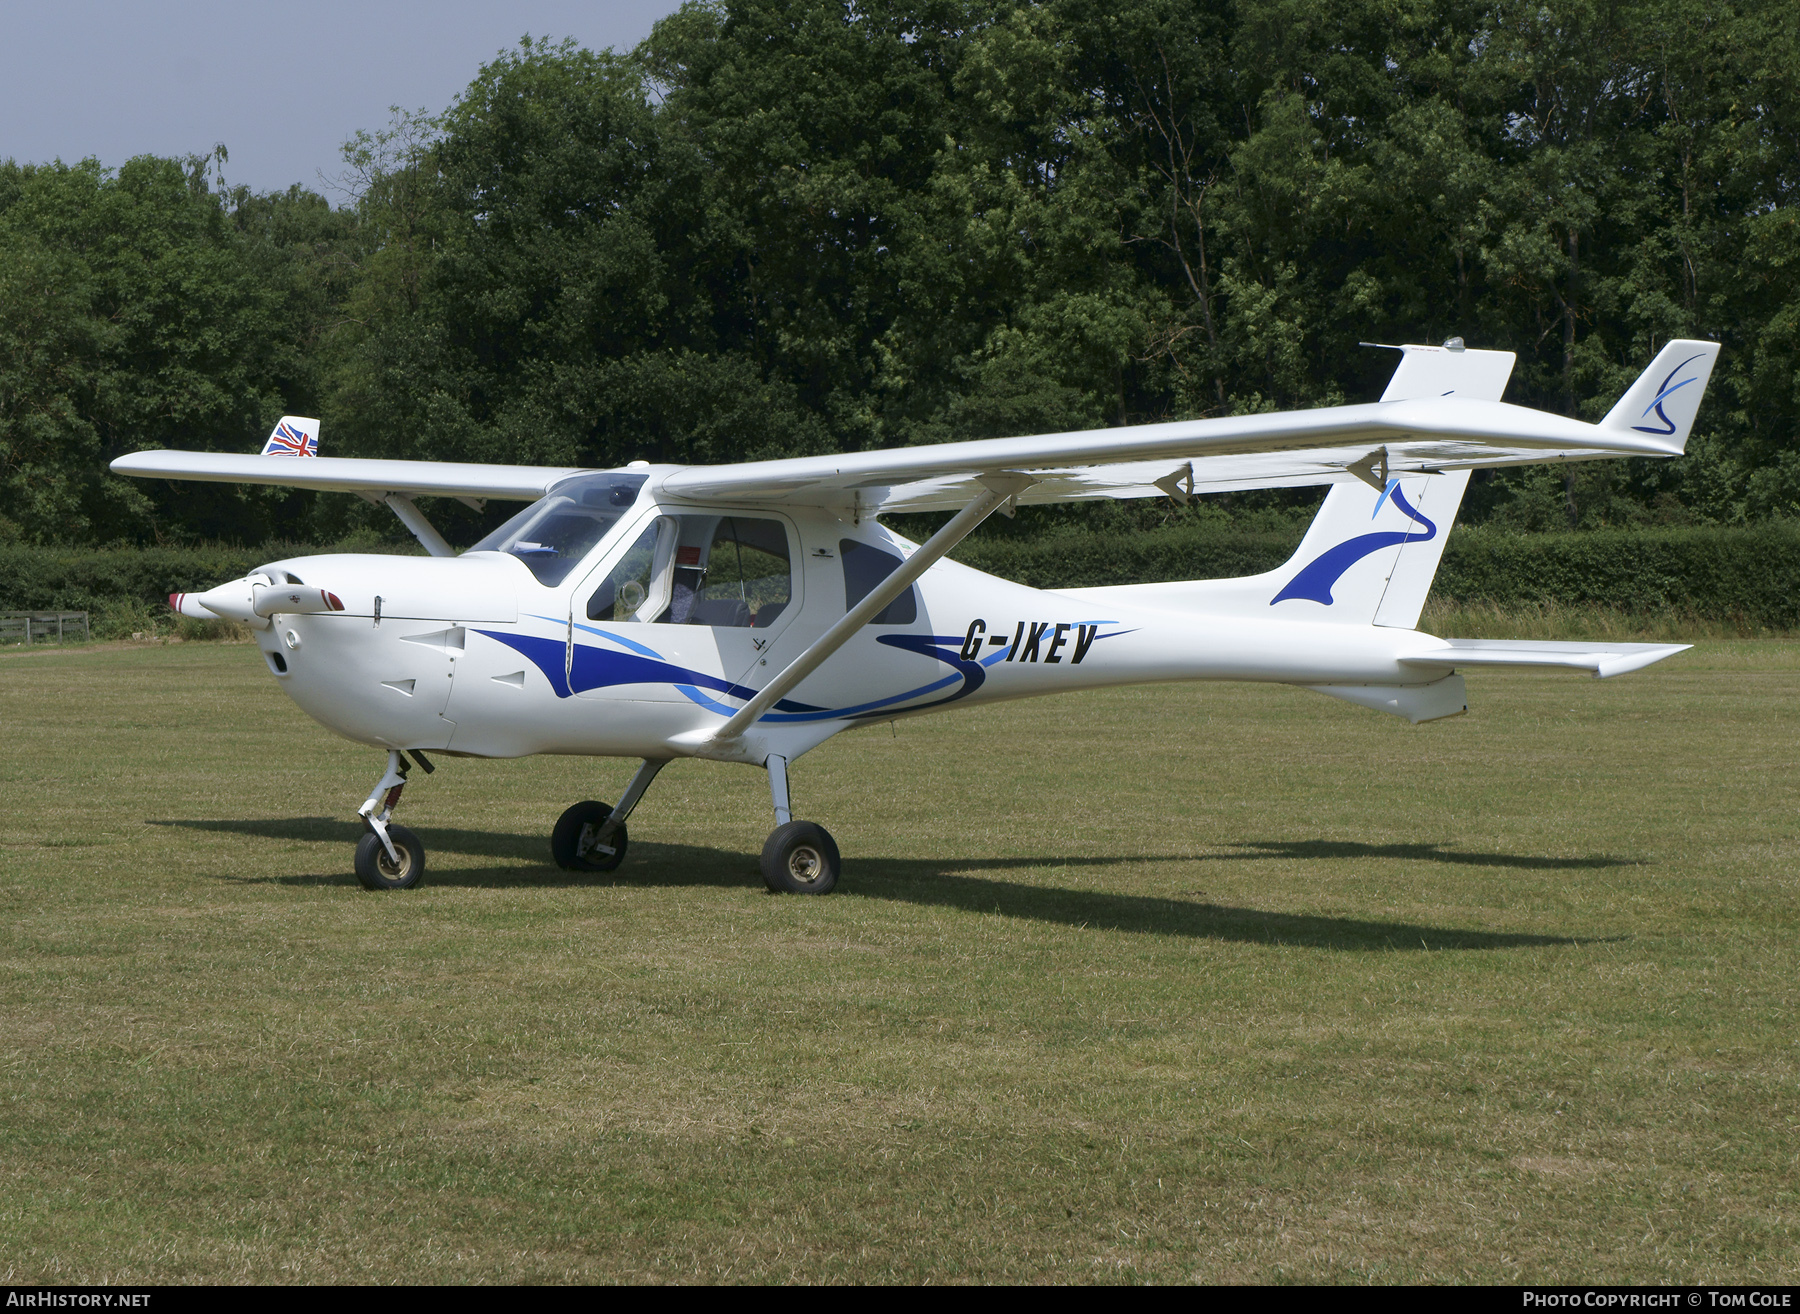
x=282 y=85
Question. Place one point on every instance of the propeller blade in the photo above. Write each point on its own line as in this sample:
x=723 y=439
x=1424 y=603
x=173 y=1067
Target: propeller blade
x=292 y=599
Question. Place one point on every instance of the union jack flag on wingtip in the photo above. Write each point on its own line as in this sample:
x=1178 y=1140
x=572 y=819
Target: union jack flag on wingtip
x=287 y=440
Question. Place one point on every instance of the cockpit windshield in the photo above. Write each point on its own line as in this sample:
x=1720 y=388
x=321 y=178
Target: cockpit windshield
x=552 y=535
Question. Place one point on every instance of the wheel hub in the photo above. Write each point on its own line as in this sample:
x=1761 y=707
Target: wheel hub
x=805 y=864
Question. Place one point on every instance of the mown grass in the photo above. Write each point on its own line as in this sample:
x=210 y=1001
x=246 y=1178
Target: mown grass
x=1558 y=620
x=1216 y=983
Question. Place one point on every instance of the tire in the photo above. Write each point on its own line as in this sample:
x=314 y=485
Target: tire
x=801 y=858
x=572 y=842
x=377 y=871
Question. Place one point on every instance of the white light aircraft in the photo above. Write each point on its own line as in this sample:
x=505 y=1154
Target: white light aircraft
x=747 y=613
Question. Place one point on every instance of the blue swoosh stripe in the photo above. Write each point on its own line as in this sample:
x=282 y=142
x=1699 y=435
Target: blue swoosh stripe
x=1666 y=392
x=596 y=668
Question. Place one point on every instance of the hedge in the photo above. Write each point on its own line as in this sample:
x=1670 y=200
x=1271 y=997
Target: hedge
x=1077 y=560
x=124 y=588
x=1748 y=575
x=84 y=579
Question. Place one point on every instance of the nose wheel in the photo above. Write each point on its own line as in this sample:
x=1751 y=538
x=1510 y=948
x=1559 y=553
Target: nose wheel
x=378 y=870
x=389 y=856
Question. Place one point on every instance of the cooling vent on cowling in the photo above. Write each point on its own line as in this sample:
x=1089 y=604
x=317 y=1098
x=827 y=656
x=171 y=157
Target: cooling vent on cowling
x=449 y=640
x=400 y=686
x=516 y=679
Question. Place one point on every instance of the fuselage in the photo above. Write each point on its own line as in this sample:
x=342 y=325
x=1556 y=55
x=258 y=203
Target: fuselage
x=497 y=654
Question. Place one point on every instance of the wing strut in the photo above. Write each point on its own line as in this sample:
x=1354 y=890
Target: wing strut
x=414 y=519
x=1000 y=488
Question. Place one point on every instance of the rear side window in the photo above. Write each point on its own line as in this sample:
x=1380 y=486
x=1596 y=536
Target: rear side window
x=866 y=566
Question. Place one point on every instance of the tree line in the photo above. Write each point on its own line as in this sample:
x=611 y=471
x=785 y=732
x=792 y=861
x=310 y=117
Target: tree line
x=782 y=227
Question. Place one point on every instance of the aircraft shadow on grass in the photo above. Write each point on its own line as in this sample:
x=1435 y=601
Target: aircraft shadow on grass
x=1312 y=850
x=947 y=884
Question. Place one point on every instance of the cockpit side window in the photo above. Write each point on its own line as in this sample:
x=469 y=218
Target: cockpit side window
x=722 y=571
x=637 y=587
x=553 y=534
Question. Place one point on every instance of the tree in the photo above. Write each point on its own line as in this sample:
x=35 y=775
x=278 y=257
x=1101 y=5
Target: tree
x=138 y=310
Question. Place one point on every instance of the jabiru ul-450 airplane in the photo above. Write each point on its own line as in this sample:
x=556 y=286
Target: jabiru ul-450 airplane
x=749 y=612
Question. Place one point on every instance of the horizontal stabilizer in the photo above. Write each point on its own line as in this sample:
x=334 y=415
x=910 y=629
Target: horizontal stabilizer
x=1598 y=659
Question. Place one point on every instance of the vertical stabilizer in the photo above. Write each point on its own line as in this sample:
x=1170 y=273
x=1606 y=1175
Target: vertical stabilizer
x=1450 y=372
x=1369 y=556
x=1373 y=549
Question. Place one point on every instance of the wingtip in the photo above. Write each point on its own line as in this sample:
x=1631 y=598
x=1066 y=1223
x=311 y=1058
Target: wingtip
x=1659 y=409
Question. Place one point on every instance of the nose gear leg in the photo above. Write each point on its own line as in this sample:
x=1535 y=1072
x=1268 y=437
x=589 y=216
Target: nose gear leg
x=389 y=856
x=376 y=810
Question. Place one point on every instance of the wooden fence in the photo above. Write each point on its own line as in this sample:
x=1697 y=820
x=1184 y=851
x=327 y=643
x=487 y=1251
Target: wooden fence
x=37 y=626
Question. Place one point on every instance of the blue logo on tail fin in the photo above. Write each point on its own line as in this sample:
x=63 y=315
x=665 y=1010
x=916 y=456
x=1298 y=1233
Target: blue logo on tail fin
x=1316 y=578
x=1657 y=401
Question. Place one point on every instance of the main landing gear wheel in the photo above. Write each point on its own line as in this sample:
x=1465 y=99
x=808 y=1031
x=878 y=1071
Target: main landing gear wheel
x=800 y=858
x=377 y=871
x=575 y=843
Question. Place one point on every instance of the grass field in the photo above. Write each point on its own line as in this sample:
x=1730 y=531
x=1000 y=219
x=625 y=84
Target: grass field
x=1215 y=983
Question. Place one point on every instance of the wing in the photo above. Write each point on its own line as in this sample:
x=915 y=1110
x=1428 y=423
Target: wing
x=1441 y=412
x=1203 y=456
x=1453 y=428
x=345 y=474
